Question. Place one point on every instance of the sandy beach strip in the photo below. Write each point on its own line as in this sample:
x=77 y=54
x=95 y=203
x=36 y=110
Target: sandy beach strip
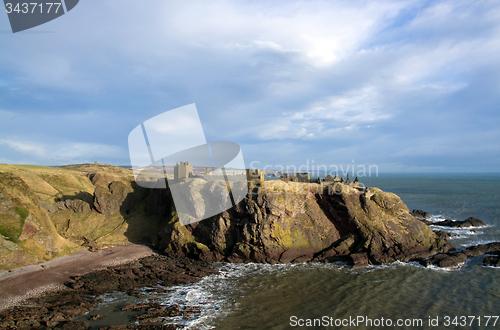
x=19 y=284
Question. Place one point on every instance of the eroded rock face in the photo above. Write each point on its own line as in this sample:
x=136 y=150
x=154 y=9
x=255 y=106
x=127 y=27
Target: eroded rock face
x=421 y=215
x=110 y=200
x=283 y=222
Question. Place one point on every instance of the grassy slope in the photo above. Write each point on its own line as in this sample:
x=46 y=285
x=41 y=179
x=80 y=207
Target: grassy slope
x=23 y=189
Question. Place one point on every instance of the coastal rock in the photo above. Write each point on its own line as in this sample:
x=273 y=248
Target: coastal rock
x=469 y=222
x=492 y=261
x=59 y=309
x=294 y=222
x=455 y=258
x=421 y=215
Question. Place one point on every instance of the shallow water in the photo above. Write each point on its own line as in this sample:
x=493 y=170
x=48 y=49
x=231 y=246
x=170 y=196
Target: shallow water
x=256 y=296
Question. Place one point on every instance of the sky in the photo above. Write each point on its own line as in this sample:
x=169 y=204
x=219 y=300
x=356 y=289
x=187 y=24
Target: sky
x=406 y=86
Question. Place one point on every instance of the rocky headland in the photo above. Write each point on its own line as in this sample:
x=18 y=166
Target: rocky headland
x=48 y=212
x=296 y=222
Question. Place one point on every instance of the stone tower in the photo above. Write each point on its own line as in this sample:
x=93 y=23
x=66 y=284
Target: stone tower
x=183 y=171
x=255 y=175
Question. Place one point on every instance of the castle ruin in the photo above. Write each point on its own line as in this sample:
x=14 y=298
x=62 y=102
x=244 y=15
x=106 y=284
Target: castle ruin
x=183 y=171
x=304 y=177
x=255 y=175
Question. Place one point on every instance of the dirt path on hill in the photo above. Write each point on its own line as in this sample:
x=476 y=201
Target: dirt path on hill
x=22 y=283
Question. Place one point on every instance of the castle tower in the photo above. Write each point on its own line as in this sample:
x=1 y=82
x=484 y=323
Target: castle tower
x=254 y=175
x=183 y=171
x=303 y=177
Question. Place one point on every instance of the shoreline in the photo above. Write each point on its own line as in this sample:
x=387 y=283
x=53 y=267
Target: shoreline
x=22 y=283
x=72 y=307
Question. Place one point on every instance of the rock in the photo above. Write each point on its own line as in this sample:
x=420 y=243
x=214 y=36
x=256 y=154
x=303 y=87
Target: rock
x=95 y=317
x=90 y=244
x=454 y=258
x=144 y=327
x=492 y=261
x=481 y=249
x=427 y=222
x=111 y=200
x=58 y=309
x=27 y=234
x=77 y=205
x=141 y=307
x=469 y=222
x=449 y=260
x=72 y=325
x=421 y=215
x=291 y=222
x=359 y=260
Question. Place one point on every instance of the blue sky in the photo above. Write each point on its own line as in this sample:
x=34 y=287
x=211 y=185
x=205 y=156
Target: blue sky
x=408 y=86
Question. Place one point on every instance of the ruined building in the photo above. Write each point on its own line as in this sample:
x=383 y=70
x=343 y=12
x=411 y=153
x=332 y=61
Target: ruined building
x=255 y=175
x=183 y=171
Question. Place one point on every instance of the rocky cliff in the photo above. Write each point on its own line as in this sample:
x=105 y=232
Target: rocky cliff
x=283 y=222
x=51 y=211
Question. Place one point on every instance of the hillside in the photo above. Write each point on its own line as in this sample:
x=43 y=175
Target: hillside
x=47 y=212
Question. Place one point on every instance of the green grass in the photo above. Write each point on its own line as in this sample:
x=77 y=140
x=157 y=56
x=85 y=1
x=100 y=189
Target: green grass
x=22 y=212
x=36 y=166
x=11 y=227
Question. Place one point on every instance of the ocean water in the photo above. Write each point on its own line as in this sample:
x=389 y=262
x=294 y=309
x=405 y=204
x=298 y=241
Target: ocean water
x=328 y=296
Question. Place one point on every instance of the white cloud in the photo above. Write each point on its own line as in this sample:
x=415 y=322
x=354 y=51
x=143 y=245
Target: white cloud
x=24 y=147
x=302 y=72
x=60 y=153
x=333 y=117
x=4 y=114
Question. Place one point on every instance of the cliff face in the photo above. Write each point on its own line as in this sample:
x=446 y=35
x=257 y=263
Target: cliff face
x=46 y=212
x=283 y=222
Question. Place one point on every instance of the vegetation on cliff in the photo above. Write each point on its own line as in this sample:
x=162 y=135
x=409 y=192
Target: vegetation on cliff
x=47 y=212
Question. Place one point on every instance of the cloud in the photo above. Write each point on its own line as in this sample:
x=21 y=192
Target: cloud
x=60 y=153
x=385 y=81
x=27 y=148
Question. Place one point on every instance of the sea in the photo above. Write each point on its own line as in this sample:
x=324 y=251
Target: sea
x=335 y=296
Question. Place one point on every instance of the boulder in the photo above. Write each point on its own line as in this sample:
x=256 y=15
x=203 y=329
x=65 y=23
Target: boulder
x=110 y=200
x=421 y=215
x=469 y=222
x=454 y=258
x=492 y=261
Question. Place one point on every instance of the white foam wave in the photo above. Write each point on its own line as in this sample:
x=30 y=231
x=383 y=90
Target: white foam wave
x=447 y=269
